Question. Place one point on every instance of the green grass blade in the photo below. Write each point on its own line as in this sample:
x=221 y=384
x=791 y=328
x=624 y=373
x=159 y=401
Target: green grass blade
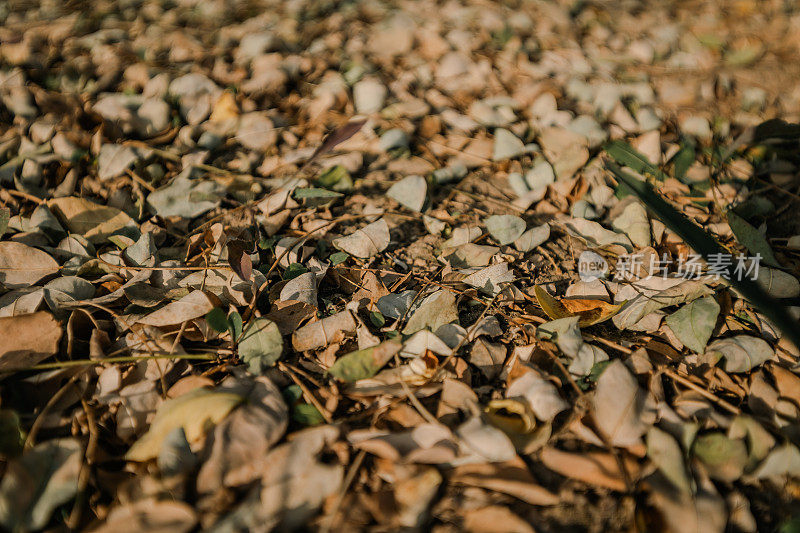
x=704 y=244
x=626 y=155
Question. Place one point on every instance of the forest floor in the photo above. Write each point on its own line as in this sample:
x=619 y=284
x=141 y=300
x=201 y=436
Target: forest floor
x=413 y=265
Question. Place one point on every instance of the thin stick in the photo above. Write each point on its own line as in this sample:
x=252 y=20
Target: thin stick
x=351 y=474
x=123 y=359
x=684 y=381
x=307 y=394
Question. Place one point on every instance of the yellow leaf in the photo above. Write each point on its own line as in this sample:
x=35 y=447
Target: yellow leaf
x=590 y=311
x=511 y=415
x=196 y=412
x=225 y=108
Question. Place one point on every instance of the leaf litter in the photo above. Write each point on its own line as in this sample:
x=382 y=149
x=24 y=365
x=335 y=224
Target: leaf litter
x=308 y=266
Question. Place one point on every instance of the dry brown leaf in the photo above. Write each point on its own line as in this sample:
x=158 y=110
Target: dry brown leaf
x=193 y=305
x=26 y=340
x=324 y=332
x=150 y=516
x=622 y=409
x=596 y=468
x=495 y=519
x=591 y=311
x=512 y=478
x=22 y=265
x=93 y=221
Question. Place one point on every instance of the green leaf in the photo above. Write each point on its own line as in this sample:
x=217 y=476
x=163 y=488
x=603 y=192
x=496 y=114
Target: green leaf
x=694 y=322
x=292 y=394
x=217 y=320
x=313 y=192
x=336 y=178
x=625 y=154
x=12 y=437
x=261 y=345
x=294 y=270
x=751 y=238
x=338 y=257
x=702 y=243
x=5 y=215
x=307 y=415
x=723 y=458
x=363 y=364
x=235 y=324
x=683 y=160
x=377 y=319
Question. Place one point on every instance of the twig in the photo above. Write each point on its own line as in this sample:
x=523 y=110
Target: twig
x=348 y=479
x=684 y=381
x=307 y=394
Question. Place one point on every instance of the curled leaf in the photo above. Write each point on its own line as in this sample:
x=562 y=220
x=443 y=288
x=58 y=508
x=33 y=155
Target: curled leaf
x=324 y=332
x=590 y=311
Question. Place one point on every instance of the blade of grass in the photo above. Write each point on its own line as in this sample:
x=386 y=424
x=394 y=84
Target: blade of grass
x=625 y=154
x=704 y=244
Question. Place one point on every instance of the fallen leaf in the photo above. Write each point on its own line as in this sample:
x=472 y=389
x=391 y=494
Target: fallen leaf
x=595 y=235
x=336 y=137
x=367 y=241
x=114 y=160
x=241 y=440
x=532 y=238
x=38 y=482
x=723 y=457
x=409 y=192
x=494 y=519
x=434 y=311
x=94 y=222
x=324 y=332
x=590 y=311
x=240 y=260
x=194 y=411
x=151 y=516
x=600 y=469
x=364 y=364
x=485 y=441
x=741 y=353
x=505 y=228
x=193 y=305
x=22 y=265
x=261 y=345
x=184 y=197
x=666 y=454
x=512 y=478
x=27 y=339
x=303 y=288
x=540 y=394
x=634 y=223
x=491 y=279
x=621 y=407
x=694 y=322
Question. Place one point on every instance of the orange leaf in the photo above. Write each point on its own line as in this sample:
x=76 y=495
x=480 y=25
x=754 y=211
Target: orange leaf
x=590 y=311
